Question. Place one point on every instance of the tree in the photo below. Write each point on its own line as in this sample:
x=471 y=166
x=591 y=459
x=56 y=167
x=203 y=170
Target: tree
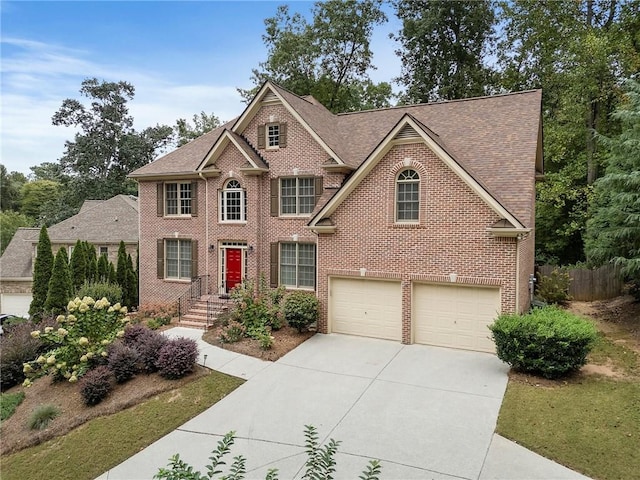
x=112 y=277
x=577 y=52
x=103 y=269
x=328 y=58
x=36 y=194
x=122 y=274
x=60 y=286
x=444 y=46
x=107 y=148
x=10 y=221
x=132 y=283
x=92 y=261
x=78 y=265
x=202 y=124
x=10 y=185
x=41 y=274
x=613 y=233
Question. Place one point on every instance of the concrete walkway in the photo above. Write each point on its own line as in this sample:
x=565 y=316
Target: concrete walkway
x=425 y=412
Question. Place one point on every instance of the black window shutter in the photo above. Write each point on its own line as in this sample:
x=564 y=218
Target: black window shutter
x=160 y=199
x=282 y=141
x=261 y=142
x=318 y=189
x=274 y=263
x=274 y=198
x=160 y=255
x=194 y=199
x=194 y=258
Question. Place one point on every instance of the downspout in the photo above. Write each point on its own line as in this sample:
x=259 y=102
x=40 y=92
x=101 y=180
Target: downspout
x=206 y=223
x=518 y=239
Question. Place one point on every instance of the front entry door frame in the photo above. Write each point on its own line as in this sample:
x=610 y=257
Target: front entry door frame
x=229 y=253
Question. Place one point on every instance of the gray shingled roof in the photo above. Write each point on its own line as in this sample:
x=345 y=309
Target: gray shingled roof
x=496 y=138
x=99 y=222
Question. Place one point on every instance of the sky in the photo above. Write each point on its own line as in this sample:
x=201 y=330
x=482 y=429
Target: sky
x=182 y=58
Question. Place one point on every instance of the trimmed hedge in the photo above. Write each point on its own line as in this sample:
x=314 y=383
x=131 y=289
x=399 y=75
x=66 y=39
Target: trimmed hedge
x=547 y=341
x=177 y=358
x=301 y=309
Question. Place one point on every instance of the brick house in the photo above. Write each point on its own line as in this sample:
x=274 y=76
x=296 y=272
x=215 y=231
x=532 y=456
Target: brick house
x=104 y=223
x=411 y=223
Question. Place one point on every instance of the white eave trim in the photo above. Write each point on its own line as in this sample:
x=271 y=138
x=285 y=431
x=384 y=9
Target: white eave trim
x=322 y=228
x=222 y=142
x=176 y=175
x=509 y=232
x=16 y=279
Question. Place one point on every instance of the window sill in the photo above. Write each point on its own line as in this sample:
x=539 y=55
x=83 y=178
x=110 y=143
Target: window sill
x=304 y=289
x=179 y=216
x=177 y=280
x=294 y=215
x=232 y=222
x=409 y=225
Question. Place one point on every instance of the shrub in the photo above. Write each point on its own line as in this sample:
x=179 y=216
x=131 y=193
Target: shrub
x=111 y=291
x=18 y=347
x=259 y=306
x=177 y=358
x=547 y=341
x=8 y=404
x=301 y=309
x=122 y=361
x=132 y=334
x=95 y=385
x=554 y=288
x=148 y=346
x=78 y=339
x=42 y=416
x=233 y=332
x=161 y=311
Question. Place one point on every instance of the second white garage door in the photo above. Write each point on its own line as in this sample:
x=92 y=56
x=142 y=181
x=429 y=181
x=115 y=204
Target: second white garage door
x=455 y=316
x=371 y=308
x=15 y=304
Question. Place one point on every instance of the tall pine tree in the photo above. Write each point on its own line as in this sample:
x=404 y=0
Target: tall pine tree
x=78 y=265
x=60 y=286
x=92 y=261
x=41 y=274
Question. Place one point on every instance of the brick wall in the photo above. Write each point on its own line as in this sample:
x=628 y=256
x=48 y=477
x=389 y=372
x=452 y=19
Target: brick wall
x=450 y=237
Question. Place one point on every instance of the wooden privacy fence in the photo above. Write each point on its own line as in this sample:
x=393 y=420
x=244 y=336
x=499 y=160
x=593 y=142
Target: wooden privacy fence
x=588 y=285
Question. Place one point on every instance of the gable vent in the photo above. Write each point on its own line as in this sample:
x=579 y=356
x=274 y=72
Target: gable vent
x=270 y=97
x=407 y=132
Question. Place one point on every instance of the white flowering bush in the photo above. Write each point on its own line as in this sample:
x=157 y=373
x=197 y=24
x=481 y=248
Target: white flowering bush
x=82 y=337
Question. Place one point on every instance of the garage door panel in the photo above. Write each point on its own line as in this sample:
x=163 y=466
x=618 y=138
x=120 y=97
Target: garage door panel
x=15 y=303
x=369 y=308
x=455 y=316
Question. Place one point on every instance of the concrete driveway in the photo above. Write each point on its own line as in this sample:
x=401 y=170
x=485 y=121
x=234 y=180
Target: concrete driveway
x=425 y=412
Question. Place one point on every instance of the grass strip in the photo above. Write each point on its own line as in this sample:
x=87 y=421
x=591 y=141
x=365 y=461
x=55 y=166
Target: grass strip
x=105 y=442
x=8 y=404
x=592 y=426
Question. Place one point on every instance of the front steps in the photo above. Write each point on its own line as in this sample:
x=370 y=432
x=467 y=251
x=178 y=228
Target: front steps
x=196 y=317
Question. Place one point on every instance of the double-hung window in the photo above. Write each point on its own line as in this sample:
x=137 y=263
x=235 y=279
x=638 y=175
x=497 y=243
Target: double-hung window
x=298 y=265
x=177 y=198
x=408 y=196
x=233 y=202
x=273 y=135
x=297 y=195
x=177 y=259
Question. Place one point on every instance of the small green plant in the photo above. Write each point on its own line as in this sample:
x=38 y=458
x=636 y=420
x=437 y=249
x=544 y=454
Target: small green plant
x=42 y=416
x=554 y=288
x=110 y=291
x=8 y=404
x=301 y=309
x=265 y=340
x=320 y=465
x=233 y=332
x=546 y=341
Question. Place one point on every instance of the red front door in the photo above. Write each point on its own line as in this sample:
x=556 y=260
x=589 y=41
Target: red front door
x=233 y=263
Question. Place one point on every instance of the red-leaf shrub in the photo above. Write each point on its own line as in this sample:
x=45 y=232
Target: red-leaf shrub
x=132 y=333
x=148 y=346
x=177 y=358
x=95 y=385
x=122 y=361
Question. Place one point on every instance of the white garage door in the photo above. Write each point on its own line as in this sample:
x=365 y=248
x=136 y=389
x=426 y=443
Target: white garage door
x=455 y=316
x=15 y=304
x=371 y=308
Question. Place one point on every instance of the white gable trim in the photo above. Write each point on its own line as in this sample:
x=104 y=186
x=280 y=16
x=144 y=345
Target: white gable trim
x=387 y=143
x=219 y=147
x=257 y=103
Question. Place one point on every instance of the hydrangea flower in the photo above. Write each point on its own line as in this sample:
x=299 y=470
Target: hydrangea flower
x=35 y=334
x=48 y=329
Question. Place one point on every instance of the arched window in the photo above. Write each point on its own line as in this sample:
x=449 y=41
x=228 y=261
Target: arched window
x=408 y=196
x=233 y=204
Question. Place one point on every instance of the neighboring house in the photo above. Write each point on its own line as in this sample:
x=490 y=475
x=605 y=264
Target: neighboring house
x=411 y=223
x=104 y=223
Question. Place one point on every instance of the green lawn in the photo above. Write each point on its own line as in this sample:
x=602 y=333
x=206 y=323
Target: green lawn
x=8 y=403
x=105 y=442
x=588 y=423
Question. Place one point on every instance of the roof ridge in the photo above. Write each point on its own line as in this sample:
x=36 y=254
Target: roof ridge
x=456 y=100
